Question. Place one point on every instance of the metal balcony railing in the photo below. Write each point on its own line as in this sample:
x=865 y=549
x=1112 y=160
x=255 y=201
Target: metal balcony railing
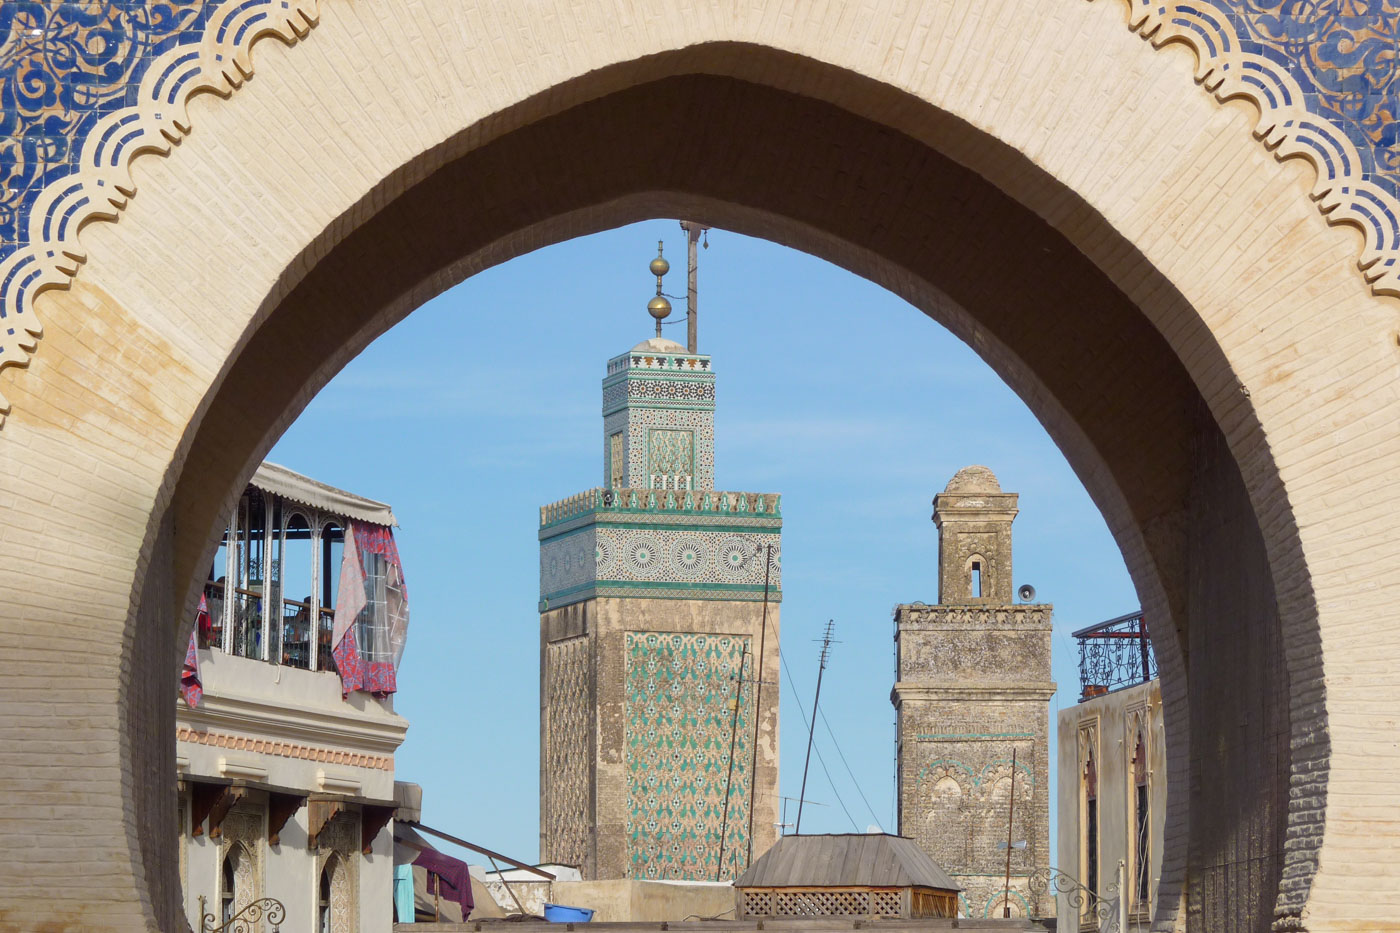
x=1114 y=654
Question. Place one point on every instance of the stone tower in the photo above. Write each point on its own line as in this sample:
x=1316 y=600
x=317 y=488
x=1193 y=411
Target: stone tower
x=651 y=602
x=972 y=685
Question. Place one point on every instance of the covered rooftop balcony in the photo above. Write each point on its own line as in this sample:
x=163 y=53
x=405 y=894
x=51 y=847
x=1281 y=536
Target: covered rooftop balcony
x=275 y=582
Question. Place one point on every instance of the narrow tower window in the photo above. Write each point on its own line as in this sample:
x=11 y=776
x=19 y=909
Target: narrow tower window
x=976 y=585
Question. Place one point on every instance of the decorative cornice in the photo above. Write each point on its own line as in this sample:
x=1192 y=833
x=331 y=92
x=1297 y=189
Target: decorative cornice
x=284 y=749
x=981 y=618
x=628 y=504
x=1325 y=83
x=169 y=51
x=280 y=722
x=739 y=592
x=1008 y=692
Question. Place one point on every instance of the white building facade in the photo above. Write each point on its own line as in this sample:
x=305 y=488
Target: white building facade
x=286 y=769
x=1112 y=782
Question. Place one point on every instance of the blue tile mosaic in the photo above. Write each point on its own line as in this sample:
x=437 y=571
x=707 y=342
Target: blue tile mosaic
x=63 y=66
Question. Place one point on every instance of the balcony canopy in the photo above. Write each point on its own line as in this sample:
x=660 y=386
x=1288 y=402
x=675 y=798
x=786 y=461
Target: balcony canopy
x=280 y=481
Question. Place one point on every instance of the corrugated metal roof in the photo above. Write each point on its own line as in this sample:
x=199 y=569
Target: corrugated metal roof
x=850 y=860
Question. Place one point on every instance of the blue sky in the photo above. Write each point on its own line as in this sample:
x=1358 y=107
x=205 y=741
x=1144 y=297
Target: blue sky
x=485 y=404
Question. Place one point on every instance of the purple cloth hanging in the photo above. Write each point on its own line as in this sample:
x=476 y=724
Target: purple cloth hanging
x=451 y=876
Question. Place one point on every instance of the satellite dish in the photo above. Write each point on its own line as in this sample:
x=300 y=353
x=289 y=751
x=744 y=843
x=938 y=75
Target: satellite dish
x=1026 y=592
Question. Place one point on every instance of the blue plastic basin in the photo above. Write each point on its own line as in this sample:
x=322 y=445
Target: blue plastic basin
x=558 y=913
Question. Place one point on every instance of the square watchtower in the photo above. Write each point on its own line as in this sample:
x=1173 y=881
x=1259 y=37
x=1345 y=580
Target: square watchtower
x=971 y=694
x=652 y=593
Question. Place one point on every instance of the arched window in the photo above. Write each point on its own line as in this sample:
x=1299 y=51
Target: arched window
x=228 y=884
x=975 y=569
x=997 y=904
x=323 y=898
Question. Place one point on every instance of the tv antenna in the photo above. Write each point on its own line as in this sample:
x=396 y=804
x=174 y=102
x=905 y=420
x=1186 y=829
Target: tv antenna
x=812 y=728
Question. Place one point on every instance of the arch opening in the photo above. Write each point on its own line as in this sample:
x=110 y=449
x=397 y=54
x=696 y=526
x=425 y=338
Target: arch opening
x=1154 y=450
x=1139 y=432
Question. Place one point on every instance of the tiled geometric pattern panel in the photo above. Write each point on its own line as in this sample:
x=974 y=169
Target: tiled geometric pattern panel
x=643 y=422
x=671 y=454
x=567 y=815
x=664 y=557
x=679 y=726
x=697 y=392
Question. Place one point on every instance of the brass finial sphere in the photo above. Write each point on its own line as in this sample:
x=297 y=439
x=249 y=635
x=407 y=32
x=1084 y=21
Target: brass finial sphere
x=659 y=266
x=659 y=308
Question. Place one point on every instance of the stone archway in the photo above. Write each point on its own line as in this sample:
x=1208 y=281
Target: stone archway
x=1115 y=244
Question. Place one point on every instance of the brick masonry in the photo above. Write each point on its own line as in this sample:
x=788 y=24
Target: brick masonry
x=1061 y=195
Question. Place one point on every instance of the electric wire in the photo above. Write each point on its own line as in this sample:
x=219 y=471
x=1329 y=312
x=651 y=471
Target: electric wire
x=863 y=799
x=820 y=760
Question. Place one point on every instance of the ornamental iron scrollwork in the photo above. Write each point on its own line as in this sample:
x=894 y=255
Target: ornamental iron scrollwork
x=1114 y=654
x=1056 y=883
x=247 y=919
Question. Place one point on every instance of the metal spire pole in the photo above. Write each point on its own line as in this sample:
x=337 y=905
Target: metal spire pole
x=812 y=730
x=693 y=231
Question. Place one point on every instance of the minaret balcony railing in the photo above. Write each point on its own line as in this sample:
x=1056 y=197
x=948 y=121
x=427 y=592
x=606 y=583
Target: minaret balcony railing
x=1114 y=654
x=657 y=501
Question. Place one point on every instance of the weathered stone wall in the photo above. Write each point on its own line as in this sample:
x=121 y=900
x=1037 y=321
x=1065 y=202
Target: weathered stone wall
x=973 y=684
x=1007 y=644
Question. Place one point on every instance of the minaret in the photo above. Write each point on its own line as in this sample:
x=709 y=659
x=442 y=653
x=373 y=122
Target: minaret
x=652 y=594
x=971 y=693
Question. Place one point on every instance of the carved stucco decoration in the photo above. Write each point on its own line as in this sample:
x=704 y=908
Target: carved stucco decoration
x=338 y=846
x=86 y=87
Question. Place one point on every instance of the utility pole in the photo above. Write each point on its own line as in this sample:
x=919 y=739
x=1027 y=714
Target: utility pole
x=693 y=231
x=1010 y=812
x=812 y=729
x=758 y=701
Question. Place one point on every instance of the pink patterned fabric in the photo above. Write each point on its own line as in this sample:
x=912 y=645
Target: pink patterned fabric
x=191 y=688
x=374 y=670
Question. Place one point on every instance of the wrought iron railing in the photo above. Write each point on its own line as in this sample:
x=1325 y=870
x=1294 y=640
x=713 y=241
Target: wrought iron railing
x=247 y=919
x=1099 y=911
x=1114 y=654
